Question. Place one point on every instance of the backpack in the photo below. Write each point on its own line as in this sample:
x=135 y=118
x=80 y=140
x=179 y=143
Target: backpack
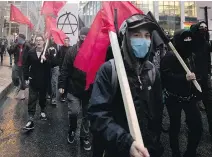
x=114 y=78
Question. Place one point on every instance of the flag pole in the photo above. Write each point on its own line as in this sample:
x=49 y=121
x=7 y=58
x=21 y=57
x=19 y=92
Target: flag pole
x=124 y=85
x=45 y=49
x=166 y=40
x=125 y=90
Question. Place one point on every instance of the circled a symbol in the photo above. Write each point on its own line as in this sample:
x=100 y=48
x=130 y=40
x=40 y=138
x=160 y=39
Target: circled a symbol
x=68 y=23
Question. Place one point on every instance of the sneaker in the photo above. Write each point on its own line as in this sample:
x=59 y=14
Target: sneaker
x=86 y=144
x=63 y=99
x=71 y=137
x=29 y=125
x=54 y=102
x=43 y=116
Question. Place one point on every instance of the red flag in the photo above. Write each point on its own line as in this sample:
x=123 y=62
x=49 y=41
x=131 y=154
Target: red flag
x=51 y=29
x=92 y=53
x=52 y=7
x=17 y=16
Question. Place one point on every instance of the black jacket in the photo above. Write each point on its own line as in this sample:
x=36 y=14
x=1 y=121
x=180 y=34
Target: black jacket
x=174 y=76
x=53 y=54
x=202 y=50
x=172 y=73
x=37 y=71
x=75 y=77
x=62 y=52
x=15 y=49
x=108 y=118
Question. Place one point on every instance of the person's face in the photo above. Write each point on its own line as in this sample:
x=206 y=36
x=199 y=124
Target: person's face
x=140 y=33
x=66 y=42
x=39 y=42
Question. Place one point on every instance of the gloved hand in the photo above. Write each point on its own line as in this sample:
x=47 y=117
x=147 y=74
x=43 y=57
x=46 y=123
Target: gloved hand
x=27 y=82
x=61 y=90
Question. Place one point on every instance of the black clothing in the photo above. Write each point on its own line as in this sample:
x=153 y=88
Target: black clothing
x=38 y=71
x=193 y=120
x=202 y=50
x=53 y=55
x=109 y=119
x=76 y=77
x=15 y=49
x=62 y=52
x=181 y=94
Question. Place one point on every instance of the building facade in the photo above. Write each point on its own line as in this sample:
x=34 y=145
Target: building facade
x=171 y=15
x=31 y=9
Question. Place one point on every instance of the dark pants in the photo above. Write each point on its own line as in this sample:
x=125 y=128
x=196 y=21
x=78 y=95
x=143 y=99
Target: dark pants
x=193 y=120
x=206 y=97
x=2 y=57
x=35 y=95
x=18 y=77
x=74 y=107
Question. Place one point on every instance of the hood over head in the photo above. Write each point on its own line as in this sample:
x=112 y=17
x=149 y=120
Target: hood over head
x=134 y=22
x=182 y=41
x=200 y=32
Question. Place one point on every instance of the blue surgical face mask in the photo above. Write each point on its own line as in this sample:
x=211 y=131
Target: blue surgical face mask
x=21 y=41
x=140 y=46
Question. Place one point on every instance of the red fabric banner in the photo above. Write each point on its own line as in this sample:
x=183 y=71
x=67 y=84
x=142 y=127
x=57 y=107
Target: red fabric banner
x=17 y=16
x=52 y=7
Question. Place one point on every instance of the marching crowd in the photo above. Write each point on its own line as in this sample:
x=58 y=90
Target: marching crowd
x=156 y=80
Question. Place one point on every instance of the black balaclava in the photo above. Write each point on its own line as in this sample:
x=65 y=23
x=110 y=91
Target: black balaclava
x=134 y=22
x=83 y=31
x=199 y=33
x=184 y=48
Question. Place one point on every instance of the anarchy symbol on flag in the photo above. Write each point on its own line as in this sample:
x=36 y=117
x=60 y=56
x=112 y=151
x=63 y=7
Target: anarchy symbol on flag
x=66 y=22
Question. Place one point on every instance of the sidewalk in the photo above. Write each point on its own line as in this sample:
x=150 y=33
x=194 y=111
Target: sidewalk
x=5 y=77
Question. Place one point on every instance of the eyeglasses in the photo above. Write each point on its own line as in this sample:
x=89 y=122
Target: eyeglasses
x=39 y=40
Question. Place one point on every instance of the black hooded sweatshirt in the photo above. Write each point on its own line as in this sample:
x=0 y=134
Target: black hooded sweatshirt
x=172 y=73
x=108 y=118
x=202 y=50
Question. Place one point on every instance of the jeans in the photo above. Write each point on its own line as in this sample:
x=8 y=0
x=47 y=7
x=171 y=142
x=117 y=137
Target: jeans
x=18 y=77
x=35 y=95
x=54 y=82
x=193 y=120
x=74 y=107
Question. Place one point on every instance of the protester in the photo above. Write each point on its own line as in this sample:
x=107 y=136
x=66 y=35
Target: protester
x=62 y=52
x=1 y=52
x=36 y=73
x=181 y=94
x=77 y=97
x=54 y=72
x=106 y=111
x=202 y=50
x=19 y=50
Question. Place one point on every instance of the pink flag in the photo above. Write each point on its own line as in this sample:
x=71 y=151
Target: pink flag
x=52 y=7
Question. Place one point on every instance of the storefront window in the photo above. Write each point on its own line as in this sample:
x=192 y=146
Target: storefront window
x=145 y=6
x=190 y=9
x=169 y=15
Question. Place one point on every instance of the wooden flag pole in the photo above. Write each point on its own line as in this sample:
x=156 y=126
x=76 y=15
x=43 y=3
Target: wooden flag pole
x=125 y=90
x=45 y=48
x=184 y=65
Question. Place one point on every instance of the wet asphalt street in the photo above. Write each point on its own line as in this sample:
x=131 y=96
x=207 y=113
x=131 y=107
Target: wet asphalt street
x=48 y=139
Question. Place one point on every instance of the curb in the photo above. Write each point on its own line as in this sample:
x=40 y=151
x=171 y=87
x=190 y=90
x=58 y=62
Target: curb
x=6 y=90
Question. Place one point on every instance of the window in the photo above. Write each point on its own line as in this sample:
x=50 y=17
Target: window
x=190 y=9
x=169 y=15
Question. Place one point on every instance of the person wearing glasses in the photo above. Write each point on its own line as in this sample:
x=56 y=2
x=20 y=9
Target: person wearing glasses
x=36 y=74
